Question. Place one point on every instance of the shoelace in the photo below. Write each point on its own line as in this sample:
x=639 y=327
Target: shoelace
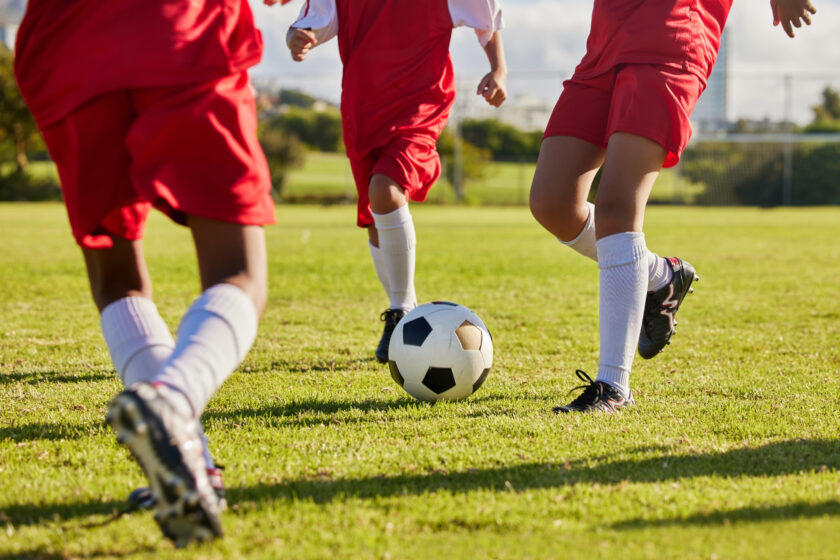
x=592 y=392
x=390 y=316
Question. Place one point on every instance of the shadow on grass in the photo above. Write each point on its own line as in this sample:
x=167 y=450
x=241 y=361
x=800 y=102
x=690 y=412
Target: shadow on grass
x=774 y=459
x=798 y=510
x=51 y=431
x=36 y=377
x=300 y=412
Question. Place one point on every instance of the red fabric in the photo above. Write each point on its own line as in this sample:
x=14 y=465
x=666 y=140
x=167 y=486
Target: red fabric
x=651 y=101
x=683 y=34
x=412 y=162
x=68 y=52
x=187 y=150
x=398 y=77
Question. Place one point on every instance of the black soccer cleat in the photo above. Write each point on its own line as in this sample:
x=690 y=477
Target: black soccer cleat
x=658 y=321
x=144 y=498
x=597 y=396
x=168 y=447
x=391 y=318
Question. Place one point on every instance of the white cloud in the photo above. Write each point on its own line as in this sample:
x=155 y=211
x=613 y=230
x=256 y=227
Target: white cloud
x=545 y=39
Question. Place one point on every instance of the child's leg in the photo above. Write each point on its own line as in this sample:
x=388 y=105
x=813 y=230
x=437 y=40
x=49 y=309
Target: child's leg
x=631 y=166
x=565 y=169
x=564 y=174
x=394 y=234
x=219 y=328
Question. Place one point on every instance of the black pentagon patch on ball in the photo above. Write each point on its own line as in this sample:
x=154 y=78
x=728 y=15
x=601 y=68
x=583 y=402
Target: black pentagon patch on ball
x=416 y=331
x=445 y=303
x=395 y=373
x=480 y=381
x=439 y=380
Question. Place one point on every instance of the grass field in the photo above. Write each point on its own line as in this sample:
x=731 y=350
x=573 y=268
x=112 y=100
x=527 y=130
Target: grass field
x=732 y=452
x=327 y=176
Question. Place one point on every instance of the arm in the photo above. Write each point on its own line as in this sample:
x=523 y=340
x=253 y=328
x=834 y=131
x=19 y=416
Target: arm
x=789 y=13
x=493 y=85
x=316 y=24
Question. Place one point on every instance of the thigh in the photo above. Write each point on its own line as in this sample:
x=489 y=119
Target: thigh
x=195 y=152
x=88 y=147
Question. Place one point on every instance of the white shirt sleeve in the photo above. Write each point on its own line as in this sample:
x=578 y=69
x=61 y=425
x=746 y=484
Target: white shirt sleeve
x=321 y=17
x=485 y=16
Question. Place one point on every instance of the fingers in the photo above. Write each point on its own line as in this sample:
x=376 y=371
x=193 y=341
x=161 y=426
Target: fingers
x=300 y=43
x=492 y=91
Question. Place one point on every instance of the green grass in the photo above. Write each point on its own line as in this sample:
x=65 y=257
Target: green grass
x=732 y=452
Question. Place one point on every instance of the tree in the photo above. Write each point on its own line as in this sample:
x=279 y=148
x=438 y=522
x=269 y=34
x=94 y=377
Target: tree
x=829 y=109
x=320 y=130
x=505 y=142
x=18 y=132
x=283 y=152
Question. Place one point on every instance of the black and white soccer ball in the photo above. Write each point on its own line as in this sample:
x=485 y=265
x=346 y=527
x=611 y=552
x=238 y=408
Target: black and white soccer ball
x=440 y=351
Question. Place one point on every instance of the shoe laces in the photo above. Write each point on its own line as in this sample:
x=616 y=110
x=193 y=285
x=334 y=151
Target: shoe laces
x=392 y=316
x=592 y=392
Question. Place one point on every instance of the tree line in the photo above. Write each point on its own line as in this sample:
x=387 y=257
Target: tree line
x=293 y=122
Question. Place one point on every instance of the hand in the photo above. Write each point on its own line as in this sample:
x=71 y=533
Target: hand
x=300 y=41
x=492 y=87
x=789 y=13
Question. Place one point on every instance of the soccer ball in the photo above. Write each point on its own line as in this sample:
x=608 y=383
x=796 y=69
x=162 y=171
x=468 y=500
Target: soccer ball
x=440 y=351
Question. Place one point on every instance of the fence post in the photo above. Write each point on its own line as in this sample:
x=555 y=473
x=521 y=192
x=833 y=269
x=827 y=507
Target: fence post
x=787 y=173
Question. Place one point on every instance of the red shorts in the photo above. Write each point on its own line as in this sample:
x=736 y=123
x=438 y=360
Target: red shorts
x=652 y=101
x=413 y=162
x=184 y=149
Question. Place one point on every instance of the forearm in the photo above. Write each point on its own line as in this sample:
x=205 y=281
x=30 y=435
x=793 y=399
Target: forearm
x=496 y=54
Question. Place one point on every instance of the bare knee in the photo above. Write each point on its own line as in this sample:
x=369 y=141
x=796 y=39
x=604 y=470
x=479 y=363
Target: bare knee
x=562 y=217
x=385 y=194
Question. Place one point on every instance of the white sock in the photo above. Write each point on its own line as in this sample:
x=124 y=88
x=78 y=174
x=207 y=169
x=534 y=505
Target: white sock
x=397 y=242
x=584 y=243
x=214 y=336
x=660 y=272
x=137 y=337
x=622 y=260
x=139 y=343
x=379 y=265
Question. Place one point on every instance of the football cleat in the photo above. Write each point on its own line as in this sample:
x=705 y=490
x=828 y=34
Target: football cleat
x=596 y=396
x=391 y=317
x=168 y=447
x=658 y=320
x=144 y=498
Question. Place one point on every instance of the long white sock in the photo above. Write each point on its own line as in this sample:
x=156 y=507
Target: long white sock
x=622 y=260
x=379 y=265
x=137 y=337
x=139 y=343
x=659 y=271
x=584 y=243
x=397 y=242
x=214 y=336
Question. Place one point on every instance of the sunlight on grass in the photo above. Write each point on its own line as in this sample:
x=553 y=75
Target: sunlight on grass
x=731 y=452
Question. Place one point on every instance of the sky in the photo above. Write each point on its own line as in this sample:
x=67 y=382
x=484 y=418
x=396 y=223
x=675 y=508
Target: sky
x=545 y=39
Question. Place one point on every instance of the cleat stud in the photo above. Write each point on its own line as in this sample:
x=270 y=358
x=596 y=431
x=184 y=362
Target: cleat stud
x=141 y=428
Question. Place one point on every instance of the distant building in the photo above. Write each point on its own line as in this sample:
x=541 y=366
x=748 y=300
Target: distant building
x=710 y=114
